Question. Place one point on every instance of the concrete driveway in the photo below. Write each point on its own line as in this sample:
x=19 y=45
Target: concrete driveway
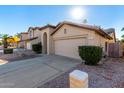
x=34 y=72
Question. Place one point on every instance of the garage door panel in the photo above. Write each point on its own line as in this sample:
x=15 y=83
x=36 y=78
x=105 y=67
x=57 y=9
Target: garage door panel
x=29 y=46
x=69 y=47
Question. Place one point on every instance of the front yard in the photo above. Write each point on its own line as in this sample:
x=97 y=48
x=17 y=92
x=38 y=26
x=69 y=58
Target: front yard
x=18 y=55
x=107 y=75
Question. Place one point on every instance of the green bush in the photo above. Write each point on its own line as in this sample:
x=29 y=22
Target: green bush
x=1 y=43
x=91 y=54
x=37 y=48
x=8 y=51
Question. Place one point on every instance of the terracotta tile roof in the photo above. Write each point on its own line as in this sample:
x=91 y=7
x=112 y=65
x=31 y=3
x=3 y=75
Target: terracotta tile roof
x=52 y=26
x=30 y=28
x=29 y=39
x=24 y=33
x=41 y=28
x=89 y=27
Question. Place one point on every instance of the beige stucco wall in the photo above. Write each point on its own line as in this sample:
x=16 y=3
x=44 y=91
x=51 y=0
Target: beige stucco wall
x=42 y=33
x=22 y=44
x=35 y=41
x=37 y=33
x=48 y=30
x=113 y=40
x=75 y=32
x=72 y=31
x=100 y=41
x=51 y=43
x=32 y=34
x=91 y=37
x=22 y=37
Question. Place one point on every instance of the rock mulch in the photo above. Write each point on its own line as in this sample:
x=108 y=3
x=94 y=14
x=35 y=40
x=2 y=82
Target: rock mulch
x=18 y=55
x=110 y=74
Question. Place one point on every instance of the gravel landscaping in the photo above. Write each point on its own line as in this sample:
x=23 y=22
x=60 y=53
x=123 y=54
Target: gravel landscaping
x=109 y=74
x=18 y=55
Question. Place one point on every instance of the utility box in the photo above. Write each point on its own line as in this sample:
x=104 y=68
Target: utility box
x=78 y=79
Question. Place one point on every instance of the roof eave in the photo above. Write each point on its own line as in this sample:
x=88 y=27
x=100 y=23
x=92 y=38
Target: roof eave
x=97 y=30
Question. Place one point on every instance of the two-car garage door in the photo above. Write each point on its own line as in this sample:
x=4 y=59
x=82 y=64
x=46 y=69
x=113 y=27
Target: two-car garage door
x=69 y=47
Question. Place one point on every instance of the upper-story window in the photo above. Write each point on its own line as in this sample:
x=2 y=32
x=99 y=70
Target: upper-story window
x=65 y=31
x=30 y=34
x=21 y=37
x=33 y=33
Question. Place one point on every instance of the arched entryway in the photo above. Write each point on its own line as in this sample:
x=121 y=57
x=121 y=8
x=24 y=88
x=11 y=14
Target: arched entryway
x=45 y=43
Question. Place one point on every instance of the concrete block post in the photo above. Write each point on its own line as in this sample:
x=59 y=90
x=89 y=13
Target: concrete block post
x=78 y=79
x=3 y=62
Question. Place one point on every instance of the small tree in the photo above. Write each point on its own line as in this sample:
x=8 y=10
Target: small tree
x=122 y=29
x=122 y=40
x=1 y=43
x=13 y=40
x=4 y=39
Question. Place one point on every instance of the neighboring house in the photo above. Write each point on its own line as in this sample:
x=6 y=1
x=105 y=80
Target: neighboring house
x=23 y=36
x=34 y=37
x=111 y=32
x=65 y=38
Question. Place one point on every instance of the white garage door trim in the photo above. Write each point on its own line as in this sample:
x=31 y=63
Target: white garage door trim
x=71 y=37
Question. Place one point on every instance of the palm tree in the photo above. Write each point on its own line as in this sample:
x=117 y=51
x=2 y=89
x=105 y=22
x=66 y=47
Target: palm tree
x=122 y=36
x=17 y=38
x=122 y=29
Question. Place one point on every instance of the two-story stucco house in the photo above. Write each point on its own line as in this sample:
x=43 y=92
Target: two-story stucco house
x=64 y=38
x=34 y=37
x=23 y=36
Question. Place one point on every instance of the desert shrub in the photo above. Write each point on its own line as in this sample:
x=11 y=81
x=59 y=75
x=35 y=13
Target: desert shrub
x=8 y=51
x=22 y=47
x=1 y=43
x=37 y=48
x=91 y=54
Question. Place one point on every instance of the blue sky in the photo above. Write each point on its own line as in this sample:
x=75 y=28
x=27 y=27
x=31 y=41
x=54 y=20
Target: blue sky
x=15 y=19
